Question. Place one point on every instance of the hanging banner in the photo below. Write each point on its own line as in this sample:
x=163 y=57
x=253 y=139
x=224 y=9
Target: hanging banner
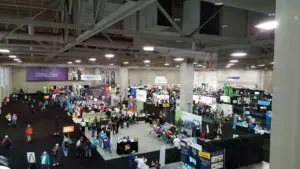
x=46 y=74
x=141 y=95
x=90 y=77
x=160 y=80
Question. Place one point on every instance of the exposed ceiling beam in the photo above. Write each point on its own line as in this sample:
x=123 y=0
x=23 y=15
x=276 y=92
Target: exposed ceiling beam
x=28 y=21
x=125 y=10
x=261 y=6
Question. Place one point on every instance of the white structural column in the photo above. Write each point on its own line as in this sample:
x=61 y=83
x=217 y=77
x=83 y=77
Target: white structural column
x=98 y=72
x=123 y=82
x=285 y=137
x=191 y=16
x=186 y=86
x=5 y=82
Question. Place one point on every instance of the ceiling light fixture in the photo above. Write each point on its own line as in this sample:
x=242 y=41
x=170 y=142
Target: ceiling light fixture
x=12 y=56
x=19 y=61
x=269 y=25
x=166 y=64
x=147 y=65
x=4 y=51
x=16 y=59
x=179 y=59
x=262 y=65
x=125 y=63
x=204 y=66
x=147 y=61
x=272 y=63
x=253 y=67
x=70 y=63
x=177 y=66
x=199 y=65
x=194 y=63
x=239 y=54
x=219 y=3
x=233 y=61
x=109 y=55
x=92 y=59
x=148 y=48
x=78 y=61
x=111 y=64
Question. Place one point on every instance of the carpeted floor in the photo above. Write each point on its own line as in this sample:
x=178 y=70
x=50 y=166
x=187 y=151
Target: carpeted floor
x=43 y=124
x=147 y=143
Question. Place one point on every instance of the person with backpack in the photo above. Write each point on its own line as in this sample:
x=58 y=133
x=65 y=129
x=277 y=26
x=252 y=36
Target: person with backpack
x=65 y=145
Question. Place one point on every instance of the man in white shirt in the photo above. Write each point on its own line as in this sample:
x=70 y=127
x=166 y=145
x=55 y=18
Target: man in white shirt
x=176 y=142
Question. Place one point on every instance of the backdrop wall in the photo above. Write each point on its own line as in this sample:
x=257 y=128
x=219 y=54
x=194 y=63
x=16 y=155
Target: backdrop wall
x=19 y=80
x=215 y=79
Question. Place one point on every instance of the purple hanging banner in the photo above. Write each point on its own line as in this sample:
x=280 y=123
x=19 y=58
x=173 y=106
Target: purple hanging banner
x=46 y=74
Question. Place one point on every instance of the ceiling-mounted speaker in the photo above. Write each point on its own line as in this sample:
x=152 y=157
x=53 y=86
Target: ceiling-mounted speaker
x=31 y=31
x=194 y=45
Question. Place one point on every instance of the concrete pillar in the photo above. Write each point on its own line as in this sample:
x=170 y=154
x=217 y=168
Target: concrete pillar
x=186 y=86
x=98 y=72
x=123 y=82
x=191 y=16
x=285 y=137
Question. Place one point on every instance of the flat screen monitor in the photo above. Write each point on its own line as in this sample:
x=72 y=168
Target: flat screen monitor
x=193 y=161
x=263 y=108
x=264 y=103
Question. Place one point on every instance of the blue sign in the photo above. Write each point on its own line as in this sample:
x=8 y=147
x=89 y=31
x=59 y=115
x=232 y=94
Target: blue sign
x=264 y=103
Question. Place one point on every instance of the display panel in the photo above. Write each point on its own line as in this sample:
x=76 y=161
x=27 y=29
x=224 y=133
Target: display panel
x=46 y=74
x=264 y=103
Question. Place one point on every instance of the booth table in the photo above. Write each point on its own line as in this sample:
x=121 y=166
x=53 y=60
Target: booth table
x=127 y=147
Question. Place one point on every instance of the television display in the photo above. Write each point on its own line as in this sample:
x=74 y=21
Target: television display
x=264 y=103
x=193 y=161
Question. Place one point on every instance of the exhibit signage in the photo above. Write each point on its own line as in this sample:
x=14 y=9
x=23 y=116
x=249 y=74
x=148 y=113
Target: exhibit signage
x=141 y=95
x=46 y=74
x=204 y=154
x=160 y=80
x=68 y=129
x=31 y=157
x=90 y=77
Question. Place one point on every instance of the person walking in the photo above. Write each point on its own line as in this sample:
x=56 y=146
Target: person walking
x=8 y=118
x=6 y=143
x=14 y=119
x=56 y=154
x=65 y=145
x=79 y=145
x=28 y=133
x=45 y=160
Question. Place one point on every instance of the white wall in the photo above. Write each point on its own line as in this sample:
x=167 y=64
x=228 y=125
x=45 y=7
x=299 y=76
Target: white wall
x=148 y=76
x=215 y=79
x=257 y=79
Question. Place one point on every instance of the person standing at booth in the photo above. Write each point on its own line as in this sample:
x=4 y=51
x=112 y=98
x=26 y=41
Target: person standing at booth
x=14 y=120
x=28 y=133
